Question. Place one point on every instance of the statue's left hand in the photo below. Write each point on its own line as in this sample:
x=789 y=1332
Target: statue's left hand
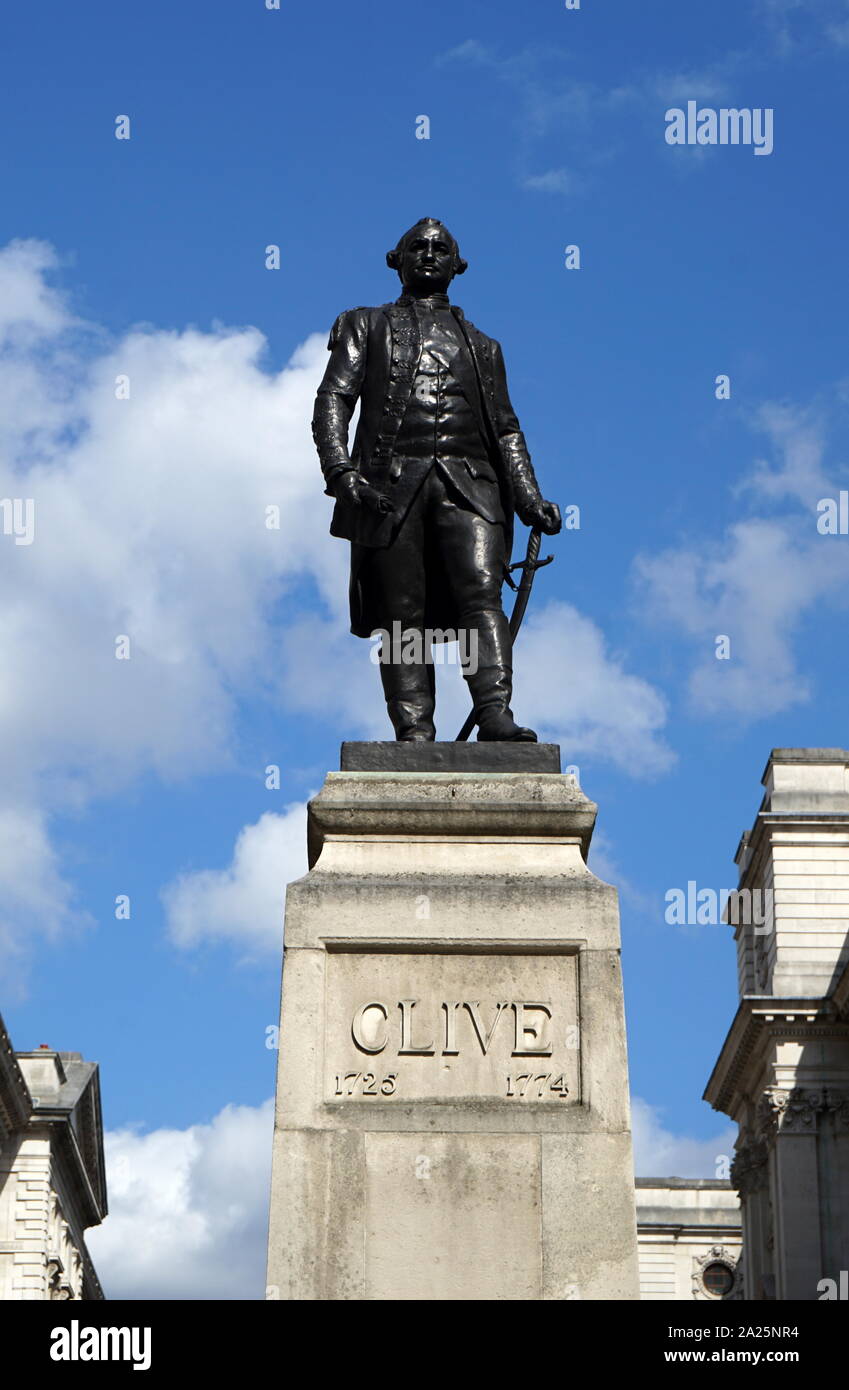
x=542 y=516
x=377 y=501
x=347 y=488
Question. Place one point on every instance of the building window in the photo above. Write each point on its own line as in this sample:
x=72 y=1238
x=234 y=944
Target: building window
x=717 y=1274
x=718 y=1279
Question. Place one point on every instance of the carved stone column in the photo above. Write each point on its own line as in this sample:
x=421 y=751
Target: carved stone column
x=793 y=1117
x=750 y=1176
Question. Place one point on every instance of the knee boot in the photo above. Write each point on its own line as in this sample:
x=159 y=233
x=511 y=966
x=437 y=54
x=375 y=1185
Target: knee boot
x=491 y=684
x=410 y=693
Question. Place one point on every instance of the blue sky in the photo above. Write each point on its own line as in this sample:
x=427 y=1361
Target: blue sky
x=146 y=257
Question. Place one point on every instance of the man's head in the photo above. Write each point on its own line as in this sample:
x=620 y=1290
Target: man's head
x=427 y=257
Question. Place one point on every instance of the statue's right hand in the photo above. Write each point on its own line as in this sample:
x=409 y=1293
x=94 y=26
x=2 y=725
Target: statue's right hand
x=541 y=515
x=346 y=488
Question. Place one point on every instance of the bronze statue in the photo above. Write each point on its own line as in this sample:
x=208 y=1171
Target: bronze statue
x=427 y=494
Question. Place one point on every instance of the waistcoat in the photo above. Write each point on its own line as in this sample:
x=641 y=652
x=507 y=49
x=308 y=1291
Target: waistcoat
x=440 y=421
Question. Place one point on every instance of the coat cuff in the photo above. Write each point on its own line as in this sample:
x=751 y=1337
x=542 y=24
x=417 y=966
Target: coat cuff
x=335 y=472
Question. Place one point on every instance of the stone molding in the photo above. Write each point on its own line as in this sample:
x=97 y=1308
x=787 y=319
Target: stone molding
x=15 y=1099
x=760 y=1020
x=718 y=1254
x=450 y=806
x=749 y=1166
x=796 y=1110
x=799 y=1109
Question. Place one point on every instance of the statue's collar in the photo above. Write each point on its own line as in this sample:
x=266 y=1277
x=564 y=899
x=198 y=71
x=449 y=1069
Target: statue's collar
x=429 y=301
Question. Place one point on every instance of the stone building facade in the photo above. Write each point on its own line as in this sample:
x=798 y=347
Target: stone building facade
x=783 y=1072
x=52 y=1176
x=689 y=1239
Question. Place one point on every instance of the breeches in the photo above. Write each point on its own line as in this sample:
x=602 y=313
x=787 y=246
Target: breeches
x=441 y=542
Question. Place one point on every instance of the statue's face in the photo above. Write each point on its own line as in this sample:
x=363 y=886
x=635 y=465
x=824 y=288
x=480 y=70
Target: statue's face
x=427 y=261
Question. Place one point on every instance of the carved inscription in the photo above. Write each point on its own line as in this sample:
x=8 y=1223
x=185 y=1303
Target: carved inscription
x=371 y=1032
x=409 y=1026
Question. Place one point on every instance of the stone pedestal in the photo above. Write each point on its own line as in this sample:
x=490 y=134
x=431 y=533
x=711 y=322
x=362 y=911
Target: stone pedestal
x=452 y=1095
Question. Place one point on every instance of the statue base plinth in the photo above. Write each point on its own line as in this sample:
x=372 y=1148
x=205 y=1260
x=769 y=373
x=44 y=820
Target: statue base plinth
x=452 y=1097
x=450 y=757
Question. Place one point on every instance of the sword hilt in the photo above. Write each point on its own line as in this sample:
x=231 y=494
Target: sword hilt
x=525 y=565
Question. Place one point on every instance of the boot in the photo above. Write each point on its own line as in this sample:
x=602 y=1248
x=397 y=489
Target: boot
x=491 y=685
x=410 y=693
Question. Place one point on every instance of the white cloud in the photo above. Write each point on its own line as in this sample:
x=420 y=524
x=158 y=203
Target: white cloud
x=549 y=98
x=694 y=84
x=150 y=521
x=554 y=181
x=188 y=1209
x=576 y=692
x=244 y=902
x=658 y=1152
x=30 y=309
x=753 y=589
x=798 y=437
x=35 y=898
x=802 y=25
x=755 y=584
x=471 y=51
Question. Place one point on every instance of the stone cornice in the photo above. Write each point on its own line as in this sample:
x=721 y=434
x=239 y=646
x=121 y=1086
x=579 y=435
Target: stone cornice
x=799 y=804
x=692 y=1230
x=761 y=1019
x=754 y=842
x=15 y=1099
x=65 y=1149
x=544 y=805
x=77 y=1103
x=92 y=1287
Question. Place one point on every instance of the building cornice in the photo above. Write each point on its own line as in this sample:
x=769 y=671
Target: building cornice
x=15 y=1099
x=92 y=1287
x=755 y=841
x=76 y=1104
x=693 y=1230
x=65 y=1147
x=760 y=1020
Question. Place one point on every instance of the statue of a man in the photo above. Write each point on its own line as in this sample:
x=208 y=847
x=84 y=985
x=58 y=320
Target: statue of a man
x=427 y=495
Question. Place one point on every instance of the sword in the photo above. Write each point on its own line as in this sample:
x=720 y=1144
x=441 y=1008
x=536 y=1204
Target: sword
x=529 y=567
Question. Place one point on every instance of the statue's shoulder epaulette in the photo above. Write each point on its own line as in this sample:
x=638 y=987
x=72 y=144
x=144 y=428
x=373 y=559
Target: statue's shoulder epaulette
x=337 y=327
